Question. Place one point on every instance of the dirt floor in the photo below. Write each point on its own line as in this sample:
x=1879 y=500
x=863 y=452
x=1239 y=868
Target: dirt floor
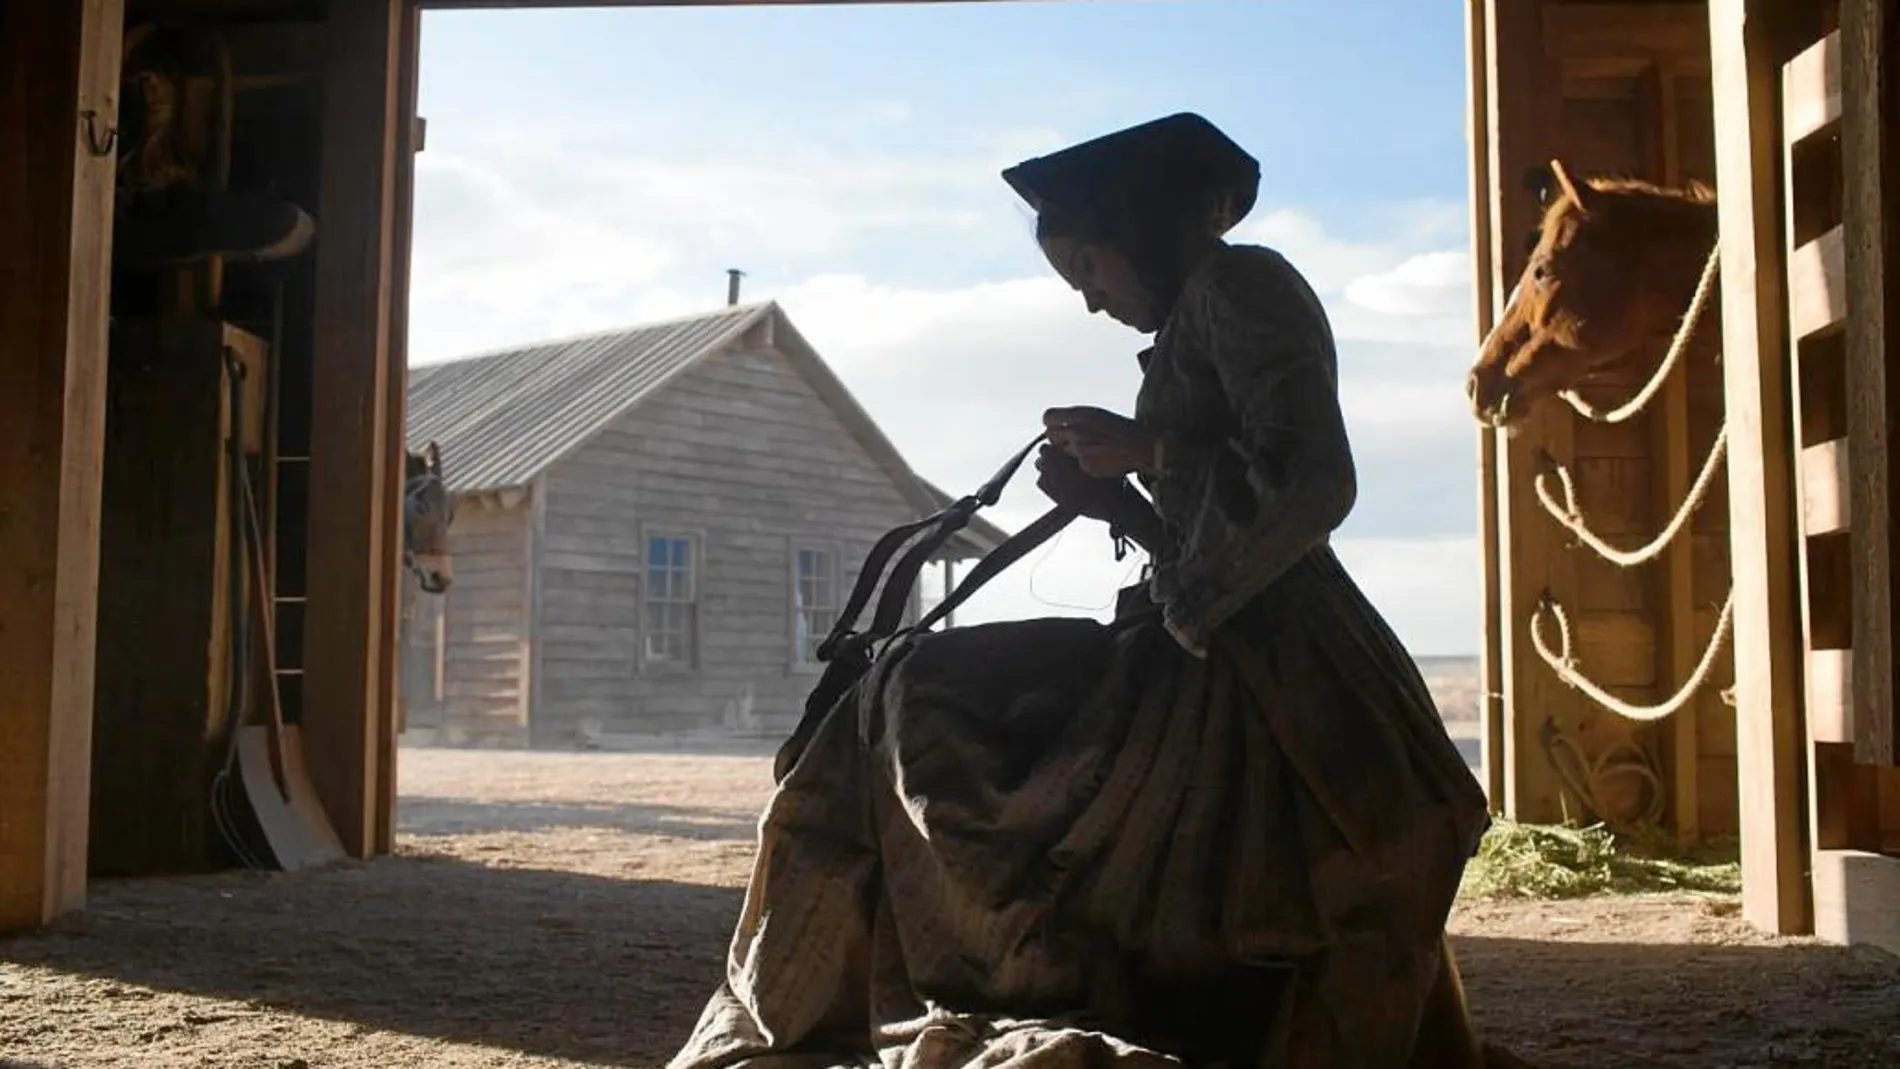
x=574 y=910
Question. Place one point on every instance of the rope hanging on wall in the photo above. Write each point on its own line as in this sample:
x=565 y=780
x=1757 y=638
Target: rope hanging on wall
x=1563 y=661
x=1569 y=515
x=1698 y=304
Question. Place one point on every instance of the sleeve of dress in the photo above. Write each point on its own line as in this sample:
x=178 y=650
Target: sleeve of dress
x=1271 y=349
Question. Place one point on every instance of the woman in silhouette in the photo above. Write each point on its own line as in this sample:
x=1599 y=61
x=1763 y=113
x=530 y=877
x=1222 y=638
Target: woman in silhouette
x=1226 y=828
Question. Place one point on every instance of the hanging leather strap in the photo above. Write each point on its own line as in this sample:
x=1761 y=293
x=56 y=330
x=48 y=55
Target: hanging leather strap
x=848 y=653
x=941 y=527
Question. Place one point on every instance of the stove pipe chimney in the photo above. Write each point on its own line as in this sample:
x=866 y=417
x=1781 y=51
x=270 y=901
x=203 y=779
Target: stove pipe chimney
x=733 y=275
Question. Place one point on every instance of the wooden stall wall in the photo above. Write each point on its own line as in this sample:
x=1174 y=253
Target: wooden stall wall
x=1834 y=165
x=1620 y=90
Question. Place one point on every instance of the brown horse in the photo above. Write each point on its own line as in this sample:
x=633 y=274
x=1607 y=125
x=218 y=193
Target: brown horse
x=427 y=510
x=1613 y=266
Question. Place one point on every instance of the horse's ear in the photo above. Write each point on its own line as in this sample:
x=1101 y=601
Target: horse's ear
x=432 y=456
x=1574 y=192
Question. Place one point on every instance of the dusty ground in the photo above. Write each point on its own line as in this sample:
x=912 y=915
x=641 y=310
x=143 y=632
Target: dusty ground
x=573 y=909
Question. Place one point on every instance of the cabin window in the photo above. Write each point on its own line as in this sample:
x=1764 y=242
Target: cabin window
x=672 y=596
x=814 y=601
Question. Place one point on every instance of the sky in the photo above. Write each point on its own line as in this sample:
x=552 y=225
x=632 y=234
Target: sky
x=591 y=168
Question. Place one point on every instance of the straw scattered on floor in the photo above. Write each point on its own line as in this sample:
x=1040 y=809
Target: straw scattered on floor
x=1548 y=861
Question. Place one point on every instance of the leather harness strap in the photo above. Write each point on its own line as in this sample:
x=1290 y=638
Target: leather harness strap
x=847 y=653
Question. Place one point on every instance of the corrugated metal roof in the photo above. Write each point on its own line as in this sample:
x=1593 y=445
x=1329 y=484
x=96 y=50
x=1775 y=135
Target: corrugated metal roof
x=502 y=418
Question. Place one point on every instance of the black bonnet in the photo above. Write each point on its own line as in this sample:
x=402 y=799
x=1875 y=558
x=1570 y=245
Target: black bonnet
x=1180 y=156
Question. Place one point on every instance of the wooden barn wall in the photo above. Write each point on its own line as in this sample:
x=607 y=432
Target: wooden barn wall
x=62 y=61
x=741 y=452
x=483 y=663
x=1622 y=90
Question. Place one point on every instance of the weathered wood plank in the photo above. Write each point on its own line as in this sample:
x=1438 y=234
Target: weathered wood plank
x=395 y=386
x=1830 y=690
x=58 y=63
x=1817 y=285
x=1811 y=90
x=1826 y=497
x=1870 y=145
x=1770 y=742
x=352 y=427
x=1523 y=116
x=161 y=711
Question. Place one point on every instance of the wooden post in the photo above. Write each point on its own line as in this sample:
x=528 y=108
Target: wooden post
x=1677 y=645
x=1870 y=109
x=409 y=137
x=1484 y=270
x=1521 y=116
x=59 y=80
x=1745 y=72
x=351 y=601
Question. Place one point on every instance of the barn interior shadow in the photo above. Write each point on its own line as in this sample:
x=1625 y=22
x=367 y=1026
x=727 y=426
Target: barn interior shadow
x=1582 y=1005
x=614 y=972
x=604 y=971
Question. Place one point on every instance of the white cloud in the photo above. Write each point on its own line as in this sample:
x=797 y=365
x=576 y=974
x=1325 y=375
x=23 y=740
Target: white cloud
x=1432 y=283
x=510 y=250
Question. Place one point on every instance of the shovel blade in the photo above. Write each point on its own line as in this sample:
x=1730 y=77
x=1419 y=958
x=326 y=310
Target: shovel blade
x=292 y=820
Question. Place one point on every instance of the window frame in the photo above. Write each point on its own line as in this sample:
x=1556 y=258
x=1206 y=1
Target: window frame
x=834 y=552
x=696 y=580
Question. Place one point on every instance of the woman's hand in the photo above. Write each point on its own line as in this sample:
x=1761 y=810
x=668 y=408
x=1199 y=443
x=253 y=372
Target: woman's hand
x=1104 y=444
x=1061 y=478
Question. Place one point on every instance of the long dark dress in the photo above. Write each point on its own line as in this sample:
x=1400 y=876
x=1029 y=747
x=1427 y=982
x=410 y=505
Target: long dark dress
x=1057 y=843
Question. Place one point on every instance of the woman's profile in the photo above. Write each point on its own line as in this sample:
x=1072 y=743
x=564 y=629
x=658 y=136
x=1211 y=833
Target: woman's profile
x=1225 y=828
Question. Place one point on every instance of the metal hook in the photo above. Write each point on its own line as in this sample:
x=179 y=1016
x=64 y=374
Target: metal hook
x=99 y=146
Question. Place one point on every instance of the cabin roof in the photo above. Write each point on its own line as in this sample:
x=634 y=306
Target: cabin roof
x=503 y=417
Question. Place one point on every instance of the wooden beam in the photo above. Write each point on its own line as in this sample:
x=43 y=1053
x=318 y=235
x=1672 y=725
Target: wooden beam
x=348 y=607
x=1522 y=114
x=1490 y=657
x=1811 y=90
x=1770 y=758
x=409 y=133
x=1612 y=31
x=59 y=79
x=1870 y=148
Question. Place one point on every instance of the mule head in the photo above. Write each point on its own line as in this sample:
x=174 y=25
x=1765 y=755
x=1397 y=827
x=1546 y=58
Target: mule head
x=427 y=510
x=1589 y=296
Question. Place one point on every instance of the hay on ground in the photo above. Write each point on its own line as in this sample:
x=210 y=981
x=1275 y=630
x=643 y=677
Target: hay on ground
x=1549 y=861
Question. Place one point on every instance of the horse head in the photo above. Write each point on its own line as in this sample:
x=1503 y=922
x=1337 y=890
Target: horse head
x=427 y=510
x=1612 y=266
